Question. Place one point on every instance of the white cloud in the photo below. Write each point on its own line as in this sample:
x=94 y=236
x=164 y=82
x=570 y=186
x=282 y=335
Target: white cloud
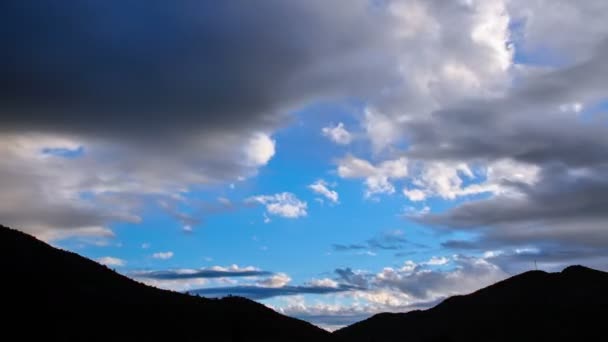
x=283 y=204
x=321 y=187
x=175 y=284
x=145 y=245
x=574 y=107
x=260 y=149
x=163 y=255
x=381 y=129
x=338 y=134
x=443 y=179
x=414 y=195
x=276 y=280
x=436 y=261
x=378 y=179
x=447 y=180
x=423 y=284
x=411 y=211
x=234 y=268
x=325 y=282
x=111 y=261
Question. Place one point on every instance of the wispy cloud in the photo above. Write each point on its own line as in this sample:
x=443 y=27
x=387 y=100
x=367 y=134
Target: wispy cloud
x=205 y=273
x=163 y=255
x=261 y=292
x=322 y=188
x=389 y=240
x=283 y=204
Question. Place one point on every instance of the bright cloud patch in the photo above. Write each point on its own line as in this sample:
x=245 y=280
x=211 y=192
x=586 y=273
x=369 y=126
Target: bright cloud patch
x=277 y=280
x=377 y=177
x=111 y=261
x=260 y=149
x=322 y=188
x=338 y=134
x=283 y=204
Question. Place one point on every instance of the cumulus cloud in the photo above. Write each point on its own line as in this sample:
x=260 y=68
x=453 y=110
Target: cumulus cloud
x=111 y=261
x=411 y=286
x=283 y=204
x=520 y=140
x=321 y=187
x=421 y=283
x=260 y=149
x=338 y=134
x=163 y=255
x=377 y=177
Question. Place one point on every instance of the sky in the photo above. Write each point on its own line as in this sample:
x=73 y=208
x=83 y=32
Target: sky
x=330 y=159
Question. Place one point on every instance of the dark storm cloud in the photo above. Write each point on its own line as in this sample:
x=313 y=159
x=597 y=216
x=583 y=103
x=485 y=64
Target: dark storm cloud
x=259 y=292
x=200 y=274
x=566 y=206
x=143 y=68
x=164 y=96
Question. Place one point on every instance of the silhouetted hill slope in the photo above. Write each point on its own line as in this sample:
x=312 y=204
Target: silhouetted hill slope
x=52 y=295
x=571 y=305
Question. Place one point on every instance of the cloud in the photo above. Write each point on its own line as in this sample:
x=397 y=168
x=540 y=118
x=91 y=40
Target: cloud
x=276 y=280
x=192 y=212
x=203 y=273
x=260 y=149
x=262 y=292
x=163 y=255
x=560 y=213
x=421 y=283
x=338 y=134
x=138 y=117
x=390 y=240
x=354 y=277
x=412 y=286
x=283 y=204
x=377 y=178
x=322 y=188
x=111 y=261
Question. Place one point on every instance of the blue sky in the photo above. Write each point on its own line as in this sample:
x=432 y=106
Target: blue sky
x=366 y=157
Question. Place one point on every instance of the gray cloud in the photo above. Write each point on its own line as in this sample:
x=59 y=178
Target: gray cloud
x=259 y=292
x=413 y=286
x=525 y=125
x=389 y=240
x=145 y=69
x=356 y=278
x=163 y=97
x=202 y=274
x=563 y=210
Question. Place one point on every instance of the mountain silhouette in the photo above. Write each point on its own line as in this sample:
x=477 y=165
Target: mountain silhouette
x=48 y=294
x=571 y=305
x=54 y=295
